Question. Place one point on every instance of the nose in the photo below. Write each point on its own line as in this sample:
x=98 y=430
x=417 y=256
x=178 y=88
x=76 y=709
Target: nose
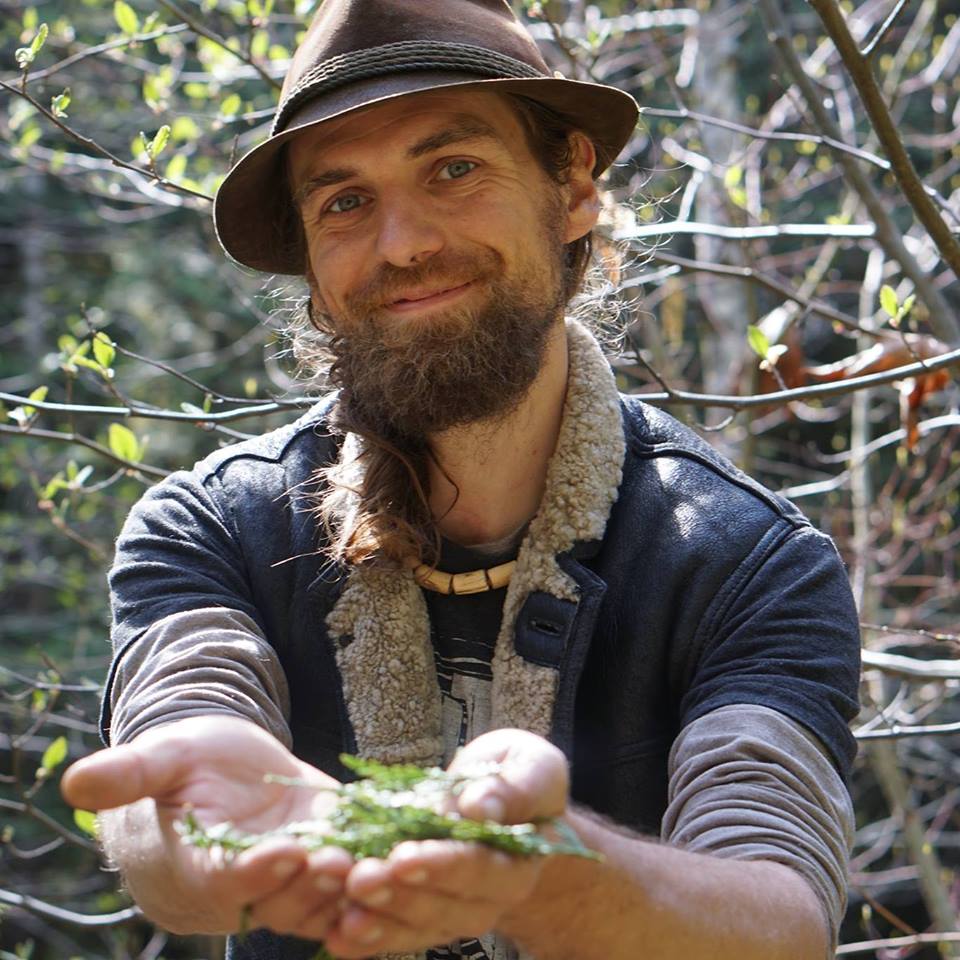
x=409 y=232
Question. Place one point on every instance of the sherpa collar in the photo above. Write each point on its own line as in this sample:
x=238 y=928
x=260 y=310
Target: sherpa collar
x=380 y=626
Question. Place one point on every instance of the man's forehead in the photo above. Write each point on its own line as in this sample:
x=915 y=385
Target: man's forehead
x=418 y=123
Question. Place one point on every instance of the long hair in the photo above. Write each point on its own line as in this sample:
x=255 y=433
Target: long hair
x=384 y=519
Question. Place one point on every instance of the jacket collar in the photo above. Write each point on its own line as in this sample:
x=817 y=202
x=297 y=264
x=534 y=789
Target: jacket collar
x=379 y=624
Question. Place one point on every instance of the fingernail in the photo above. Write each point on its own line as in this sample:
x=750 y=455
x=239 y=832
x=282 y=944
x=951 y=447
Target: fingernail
x=328 y=884
x=372 y=935
x=415 y=876
x=493 y=808
x=284 y=868
x=378 y=898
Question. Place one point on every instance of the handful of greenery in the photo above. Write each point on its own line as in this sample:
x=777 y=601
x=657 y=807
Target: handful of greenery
x=388 y=805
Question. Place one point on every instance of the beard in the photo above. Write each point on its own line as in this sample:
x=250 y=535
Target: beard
x=405 y=379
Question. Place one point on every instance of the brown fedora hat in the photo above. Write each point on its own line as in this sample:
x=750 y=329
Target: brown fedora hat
x=361 y=52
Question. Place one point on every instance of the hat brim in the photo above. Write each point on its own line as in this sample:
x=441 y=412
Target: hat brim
x=254 y=218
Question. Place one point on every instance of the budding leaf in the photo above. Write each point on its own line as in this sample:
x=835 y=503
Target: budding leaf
x=55 y=754
x=758 y=341
x=123 y=442
x=103 y=350
x=86 y=821
x=126 y=17
x=889 y=301
x=26 y=55
x=733 y=176
x=59 y=104
x=159 y=141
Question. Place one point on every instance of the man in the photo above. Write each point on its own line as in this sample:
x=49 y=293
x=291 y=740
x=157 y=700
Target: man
x=476 y=541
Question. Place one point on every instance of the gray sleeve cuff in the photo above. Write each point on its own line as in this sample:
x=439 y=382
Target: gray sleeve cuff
x=749 y=783
x=199 y=662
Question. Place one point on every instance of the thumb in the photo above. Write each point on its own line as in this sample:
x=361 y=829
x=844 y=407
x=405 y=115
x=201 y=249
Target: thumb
x=120 y=775
x=531 y=783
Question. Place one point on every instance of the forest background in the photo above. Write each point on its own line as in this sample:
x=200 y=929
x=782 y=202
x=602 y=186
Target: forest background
x=779 y=248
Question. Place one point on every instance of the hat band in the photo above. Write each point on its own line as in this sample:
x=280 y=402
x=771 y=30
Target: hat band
x=409 y=55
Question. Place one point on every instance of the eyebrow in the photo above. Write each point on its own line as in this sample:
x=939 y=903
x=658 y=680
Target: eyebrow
x=463 y=128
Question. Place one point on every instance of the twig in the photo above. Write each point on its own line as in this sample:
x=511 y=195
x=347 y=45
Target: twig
x=868 y=946
x=888 y=235
x=103 y=151
x=754 y=232
x=912 y=632
x=214 y=37
x=51 y=912
x=896 y=732
x=838 y=145
x=884 y=29
x=861 y=72
x=28 y=809
x=82 y=441
x=764 y=280
x=154 y=413
x=101 y=48
x=901 y=666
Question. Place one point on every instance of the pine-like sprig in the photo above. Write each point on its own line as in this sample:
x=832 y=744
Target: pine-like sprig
x=386 y=806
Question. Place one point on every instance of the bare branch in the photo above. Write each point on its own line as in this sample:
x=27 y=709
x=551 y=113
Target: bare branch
x=901 y=666
x=888 y=235
x=52 y=912
x=885 y=28
x=861 y=72
x=869 y=946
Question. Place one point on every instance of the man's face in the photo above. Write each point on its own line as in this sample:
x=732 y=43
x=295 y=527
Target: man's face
x=436 y=254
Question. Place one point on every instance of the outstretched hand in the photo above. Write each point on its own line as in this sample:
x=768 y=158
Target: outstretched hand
x=432 y=892
x=215 y=765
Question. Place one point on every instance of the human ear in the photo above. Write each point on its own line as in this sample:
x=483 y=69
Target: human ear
x=583 y=201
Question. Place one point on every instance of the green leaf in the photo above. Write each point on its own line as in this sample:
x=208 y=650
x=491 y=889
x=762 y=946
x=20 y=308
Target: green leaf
x=59 y=104
x=758 y=341
x=907 y=304
x=157 y=144
x=86 y=820
x=888 y=300
x=733 y=177
x=26 y=55
x=39 y=394
x=123 y=443
x=184 y=129
x=103 y=350
x=231 y=105
x=126 y=17
x=55 y=754
x=176 y=168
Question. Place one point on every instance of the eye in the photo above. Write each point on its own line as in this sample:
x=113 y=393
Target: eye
x=456 y=169
x=346 y=203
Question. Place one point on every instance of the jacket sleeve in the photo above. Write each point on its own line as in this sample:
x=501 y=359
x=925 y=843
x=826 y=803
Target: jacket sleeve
x=782 y=633
x=179 y=554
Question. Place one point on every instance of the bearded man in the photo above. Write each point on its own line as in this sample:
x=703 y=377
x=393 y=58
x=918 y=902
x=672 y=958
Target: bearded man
x=477 y=543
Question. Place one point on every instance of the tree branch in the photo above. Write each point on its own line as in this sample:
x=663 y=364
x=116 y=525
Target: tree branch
x=51 y=912
x=861 y=72
x=103 y=151
x=214 y=37
x=942 y=318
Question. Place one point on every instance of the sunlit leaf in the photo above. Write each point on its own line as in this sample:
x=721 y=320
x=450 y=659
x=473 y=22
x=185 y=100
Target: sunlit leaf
x=59 y=104
x=104 y=350
x=176 y=168
x=231 y=105
x=888 y=300
x=733 y=176
x=126 y=17
x=86 y=820
x=26 y=55
x=758 y=341
x=55 y=754
x=123 y=442
x=159 y=142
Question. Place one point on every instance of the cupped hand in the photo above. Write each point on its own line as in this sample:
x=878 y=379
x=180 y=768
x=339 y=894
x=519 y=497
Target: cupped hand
x=216 y=766
x=432 y=892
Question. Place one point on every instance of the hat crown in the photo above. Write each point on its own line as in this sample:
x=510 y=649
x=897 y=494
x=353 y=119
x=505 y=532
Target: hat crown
x=344 y=27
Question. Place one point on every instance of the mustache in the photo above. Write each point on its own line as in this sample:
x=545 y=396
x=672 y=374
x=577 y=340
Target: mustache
x=443 y=269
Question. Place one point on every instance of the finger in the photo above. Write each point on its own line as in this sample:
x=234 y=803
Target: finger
x=465 y=870
x=531 y=784
x=120 y=775
x=362 y=932
x=308 y=903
